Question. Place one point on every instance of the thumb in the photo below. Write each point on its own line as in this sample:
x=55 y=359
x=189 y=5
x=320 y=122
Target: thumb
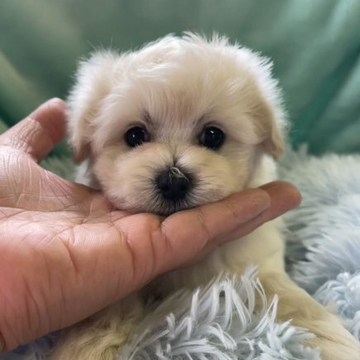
x=38 y=133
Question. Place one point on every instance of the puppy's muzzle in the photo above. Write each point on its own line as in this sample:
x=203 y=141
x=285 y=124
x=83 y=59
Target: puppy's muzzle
x=173 y=184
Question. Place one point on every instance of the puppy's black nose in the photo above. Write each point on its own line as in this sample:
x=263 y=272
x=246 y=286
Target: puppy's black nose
x=173 y=184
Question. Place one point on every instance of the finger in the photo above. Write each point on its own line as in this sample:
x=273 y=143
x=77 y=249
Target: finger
x=248 y=211
x=189 y=231
x=283 y=198
x=40 y=131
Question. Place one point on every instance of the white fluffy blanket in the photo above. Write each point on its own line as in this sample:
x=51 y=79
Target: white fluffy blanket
x=219 y=322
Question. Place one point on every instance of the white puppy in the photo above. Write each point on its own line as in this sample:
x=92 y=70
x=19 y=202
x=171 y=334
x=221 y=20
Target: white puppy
x=179 y=123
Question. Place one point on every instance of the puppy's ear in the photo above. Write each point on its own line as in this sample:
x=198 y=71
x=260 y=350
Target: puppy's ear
x=92 y=84
x=270 y=124
x=265 y=99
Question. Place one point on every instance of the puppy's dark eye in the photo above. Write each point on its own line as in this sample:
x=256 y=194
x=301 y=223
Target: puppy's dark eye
x=136 y=136
x=212 y=138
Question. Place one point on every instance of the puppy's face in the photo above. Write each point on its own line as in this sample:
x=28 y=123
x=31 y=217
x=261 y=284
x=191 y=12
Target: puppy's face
x=176 y=124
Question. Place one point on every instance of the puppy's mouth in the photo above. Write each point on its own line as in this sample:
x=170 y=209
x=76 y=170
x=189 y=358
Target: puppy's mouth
x=166 y=208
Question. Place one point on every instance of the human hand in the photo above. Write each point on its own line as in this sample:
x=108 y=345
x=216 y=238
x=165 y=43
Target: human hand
x=66 y=253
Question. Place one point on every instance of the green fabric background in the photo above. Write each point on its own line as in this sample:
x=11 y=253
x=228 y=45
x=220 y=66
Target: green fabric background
x=315 y=45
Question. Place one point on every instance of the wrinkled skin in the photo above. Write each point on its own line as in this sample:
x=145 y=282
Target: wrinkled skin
x=66 y=253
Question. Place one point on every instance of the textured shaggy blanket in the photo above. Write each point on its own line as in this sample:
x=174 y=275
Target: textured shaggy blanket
x=219 y=322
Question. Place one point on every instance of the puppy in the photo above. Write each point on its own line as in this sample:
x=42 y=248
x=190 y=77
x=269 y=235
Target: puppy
x=177 y=124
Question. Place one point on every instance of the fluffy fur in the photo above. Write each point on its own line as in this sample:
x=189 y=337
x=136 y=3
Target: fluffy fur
x=175 y=88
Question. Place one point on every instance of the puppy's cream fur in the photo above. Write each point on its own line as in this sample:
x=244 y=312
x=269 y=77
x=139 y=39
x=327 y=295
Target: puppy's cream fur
x=174 y=88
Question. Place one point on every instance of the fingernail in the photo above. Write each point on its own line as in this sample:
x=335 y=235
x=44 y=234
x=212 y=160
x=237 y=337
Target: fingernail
x=257 y=201
x=262 y=199
x=57 y=101
x=287 y=190
x=52 y=103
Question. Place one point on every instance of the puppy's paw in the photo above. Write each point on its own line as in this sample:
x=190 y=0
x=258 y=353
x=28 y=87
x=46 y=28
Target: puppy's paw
x=334 y=341
x=337 y=350
x=101 y=336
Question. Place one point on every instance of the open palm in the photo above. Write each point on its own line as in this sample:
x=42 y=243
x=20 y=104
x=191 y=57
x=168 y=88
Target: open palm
x=66 y=253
